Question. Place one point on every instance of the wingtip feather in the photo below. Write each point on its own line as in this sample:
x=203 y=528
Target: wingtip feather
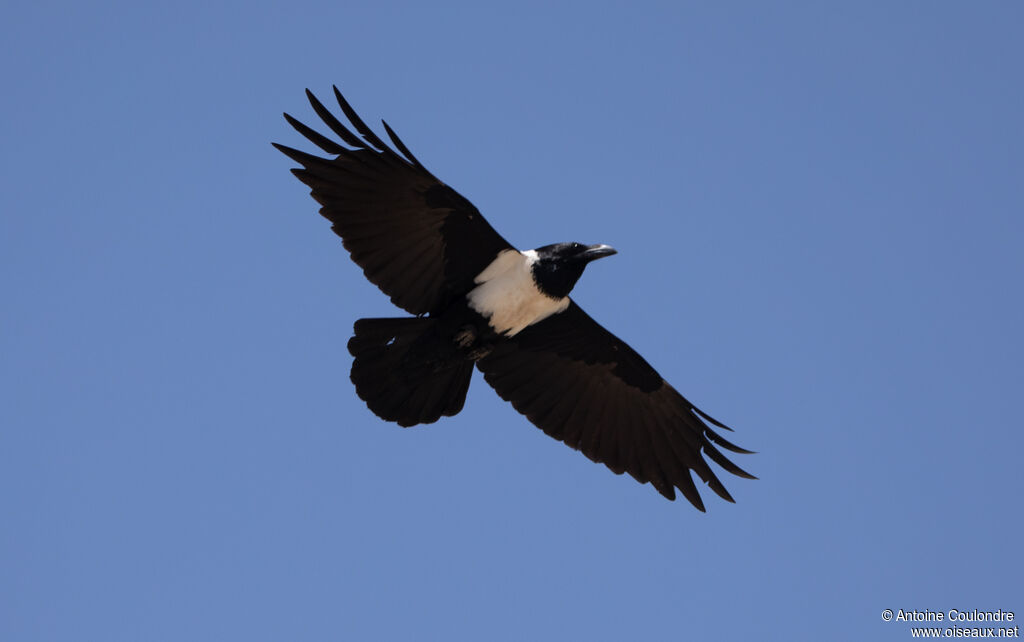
x=711 y=419
x=400 y=145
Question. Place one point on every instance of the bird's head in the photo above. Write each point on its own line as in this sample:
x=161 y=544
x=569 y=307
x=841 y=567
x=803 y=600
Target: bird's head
x=557 y=267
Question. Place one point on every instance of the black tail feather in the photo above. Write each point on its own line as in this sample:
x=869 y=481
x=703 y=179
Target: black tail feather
x=400 y=377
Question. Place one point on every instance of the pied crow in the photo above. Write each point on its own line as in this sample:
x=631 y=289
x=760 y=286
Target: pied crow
x=477 y=300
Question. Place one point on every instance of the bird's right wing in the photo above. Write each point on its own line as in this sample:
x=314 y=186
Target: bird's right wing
x=584 y=386
x=417 y=239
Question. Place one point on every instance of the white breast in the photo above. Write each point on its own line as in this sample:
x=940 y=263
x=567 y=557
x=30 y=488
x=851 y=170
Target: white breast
x=507 y=296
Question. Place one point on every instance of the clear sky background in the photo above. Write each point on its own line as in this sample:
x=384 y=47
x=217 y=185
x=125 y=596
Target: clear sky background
x=819 y=211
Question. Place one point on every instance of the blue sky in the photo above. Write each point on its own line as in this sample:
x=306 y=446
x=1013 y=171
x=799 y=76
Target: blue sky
x=818 y=211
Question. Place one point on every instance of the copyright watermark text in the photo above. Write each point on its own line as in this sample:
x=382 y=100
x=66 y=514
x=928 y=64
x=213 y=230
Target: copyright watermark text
x=956 y=623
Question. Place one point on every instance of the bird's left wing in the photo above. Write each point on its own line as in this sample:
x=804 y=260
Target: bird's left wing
x=584 y=386
x=417 y=239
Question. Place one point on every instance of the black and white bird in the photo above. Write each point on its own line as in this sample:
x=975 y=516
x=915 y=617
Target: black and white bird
x=477 y=300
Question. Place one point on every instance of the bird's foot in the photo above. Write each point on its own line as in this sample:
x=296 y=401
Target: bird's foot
x=465 y=337
x=479 y=353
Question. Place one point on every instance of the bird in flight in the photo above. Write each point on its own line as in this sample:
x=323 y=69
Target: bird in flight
x=477 y=300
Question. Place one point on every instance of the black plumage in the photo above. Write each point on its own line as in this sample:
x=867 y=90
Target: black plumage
x=478 y=300
x=416 y=239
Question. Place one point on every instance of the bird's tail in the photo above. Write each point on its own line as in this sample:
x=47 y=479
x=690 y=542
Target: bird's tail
x=403 y=374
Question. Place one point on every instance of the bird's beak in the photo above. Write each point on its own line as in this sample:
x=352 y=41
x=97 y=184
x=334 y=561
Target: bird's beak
x=597 y=251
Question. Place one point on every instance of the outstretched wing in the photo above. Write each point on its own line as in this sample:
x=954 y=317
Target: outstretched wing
x=417 y=239
x=582 y=385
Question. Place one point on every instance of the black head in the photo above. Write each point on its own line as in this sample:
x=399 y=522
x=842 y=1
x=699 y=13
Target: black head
x=559 y=266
